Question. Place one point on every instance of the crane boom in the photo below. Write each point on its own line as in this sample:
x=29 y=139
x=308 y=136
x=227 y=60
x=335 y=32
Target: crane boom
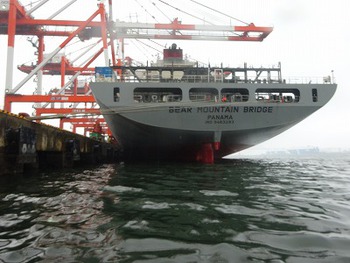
x=174 y=30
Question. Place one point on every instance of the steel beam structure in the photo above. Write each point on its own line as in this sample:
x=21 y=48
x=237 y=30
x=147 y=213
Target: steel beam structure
x=193 y=32
x=19 y=21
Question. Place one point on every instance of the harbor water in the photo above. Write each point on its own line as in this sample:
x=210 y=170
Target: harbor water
x=242 y=210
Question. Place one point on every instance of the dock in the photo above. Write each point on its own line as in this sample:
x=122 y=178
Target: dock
x=27 y=145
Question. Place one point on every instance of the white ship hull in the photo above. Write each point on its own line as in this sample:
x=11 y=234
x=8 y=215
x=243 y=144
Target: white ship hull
x=189 y=129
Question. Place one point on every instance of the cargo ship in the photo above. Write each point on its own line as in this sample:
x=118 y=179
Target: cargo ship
x=176 y=110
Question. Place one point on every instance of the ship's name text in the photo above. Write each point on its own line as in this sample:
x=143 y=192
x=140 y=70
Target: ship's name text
x=258 y=109
x=180 y=110
x=221 y=109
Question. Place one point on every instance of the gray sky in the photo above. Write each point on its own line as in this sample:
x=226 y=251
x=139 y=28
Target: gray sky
x=310 y=38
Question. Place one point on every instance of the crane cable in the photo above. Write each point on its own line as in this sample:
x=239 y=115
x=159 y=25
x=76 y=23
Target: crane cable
x=147 y=12
x=199 y=17
x=31 y=3
x=156 y=43
x=140 y=47
x=217 y=11
x=178 y=9
x=149 y=46
x=153 y=3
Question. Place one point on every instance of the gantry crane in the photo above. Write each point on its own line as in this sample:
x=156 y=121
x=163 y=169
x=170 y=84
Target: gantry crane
x=16 y=20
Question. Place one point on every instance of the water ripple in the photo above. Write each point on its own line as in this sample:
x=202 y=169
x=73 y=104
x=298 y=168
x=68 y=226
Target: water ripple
x=269 y=211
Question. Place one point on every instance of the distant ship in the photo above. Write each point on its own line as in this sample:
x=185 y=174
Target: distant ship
x=174 y=110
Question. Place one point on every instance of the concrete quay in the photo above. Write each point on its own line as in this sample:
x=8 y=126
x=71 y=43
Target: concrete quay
x=26 y=145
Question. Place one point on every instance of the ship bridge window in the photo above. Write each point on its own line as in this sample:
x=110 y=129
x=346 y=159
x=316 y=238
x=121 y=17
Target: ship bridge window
x=314 y=95
x=204 y=94
x=116 y=94
x=277 y=95
x=157 y=95
x=234 y=95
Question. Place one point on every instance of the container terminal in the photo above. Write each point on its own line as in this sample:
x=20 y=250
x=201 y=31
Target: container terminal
x=72 y=102
x=25 y=139
x=26 y=142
